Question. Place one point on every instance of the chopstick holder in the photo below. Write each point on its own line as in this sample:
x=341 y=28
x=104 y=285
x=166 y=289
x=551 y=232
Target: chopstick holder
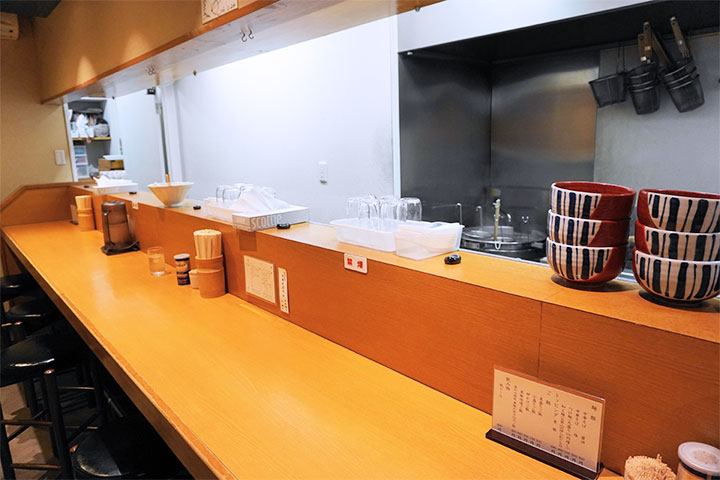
x=211 y=276
x=86 y=220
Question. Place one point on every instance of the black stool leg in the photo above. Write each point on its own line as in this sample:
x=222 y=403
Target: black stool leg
x=53 y=401
x=43 y=386
x=28 y=385
x=5 y=457
x=98 y=391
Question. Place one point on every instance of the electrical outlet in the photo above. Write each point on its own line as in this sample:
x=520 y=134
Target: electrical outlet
x=283 y=287
x=355 y=263
x=60 y=157
x=323 y=172
x=135 y=205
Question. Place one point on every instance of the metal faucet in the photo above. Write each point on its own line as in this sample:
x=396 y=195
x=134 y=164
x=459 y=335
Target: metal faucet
x=496 y=204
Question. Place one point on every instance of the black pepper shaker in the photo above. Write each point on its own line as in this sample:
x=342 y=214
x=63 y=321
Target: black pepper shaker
x=182 y=268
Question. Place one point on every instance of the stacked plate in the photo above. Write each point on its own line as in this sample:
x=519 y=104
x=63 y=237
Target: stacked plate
x=587 y=230
x=677 y=244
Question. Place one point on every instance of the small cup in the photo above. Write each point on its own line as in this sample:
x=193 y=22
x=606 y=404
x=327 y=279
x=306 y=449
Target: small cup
x=194 y=279
x=156 y=260
x=413 y=209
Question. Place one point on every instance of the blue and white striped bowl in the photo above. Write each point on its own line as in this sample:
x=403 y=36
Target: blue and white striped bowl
x=677 y=280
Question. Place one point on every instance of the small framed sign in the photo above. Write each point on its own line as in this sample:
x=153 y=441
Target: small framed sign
x=551 y=423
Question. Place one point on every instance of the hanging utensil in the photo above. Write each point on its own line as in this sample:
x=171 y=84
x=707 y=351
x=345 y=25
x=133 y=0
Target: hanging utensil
x=679 y=38
x=610 y=89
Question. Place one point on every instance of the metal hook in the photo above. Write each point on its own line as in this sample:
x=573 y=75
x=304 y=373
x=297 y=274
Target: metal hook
x=243 y=38
x=251 y=36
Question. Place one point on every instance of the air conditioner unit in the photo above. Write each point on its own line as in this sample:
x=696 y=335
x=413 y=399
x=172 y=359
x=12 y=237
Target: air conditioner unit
x=10 y=28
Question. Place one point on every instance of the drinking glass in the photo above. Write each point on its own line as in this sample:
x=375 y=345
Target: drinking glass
x=412 y=209
x=219 y=191
x=156 y=260
x=230 y=194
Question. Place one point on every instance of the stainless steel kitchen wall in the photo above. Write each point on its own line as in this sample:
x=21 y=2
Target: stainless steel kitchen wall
x=444 y=133
x=542 y=130
x=470 y=132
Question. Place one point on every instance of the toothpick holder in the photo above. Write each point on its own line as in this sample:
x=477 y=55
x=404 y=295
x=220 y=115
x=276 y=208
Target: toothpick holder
x=86 y=220
x=211 y=276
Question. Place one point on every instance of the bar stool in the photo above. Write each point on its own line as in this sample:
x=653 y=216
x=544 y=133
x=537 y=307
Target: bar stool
x=125 y=448
x=32 y=314
x=41 y=356
x=11 y=287
x=22 y=319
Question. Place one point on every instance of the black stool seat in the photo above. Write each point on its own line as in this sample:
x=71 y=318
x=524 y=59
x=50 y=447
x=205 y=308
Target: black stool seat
x=125 y=448
x=29 y=358
x=12 y=286
x=33 y=314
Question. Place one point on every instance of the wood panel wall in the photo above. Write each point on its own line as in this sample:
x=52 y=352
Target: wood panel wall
x=661 y=388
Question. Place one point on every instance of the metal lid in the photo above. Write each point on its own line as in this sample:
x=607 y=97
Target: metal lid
x=698 y=456
x=182 y=256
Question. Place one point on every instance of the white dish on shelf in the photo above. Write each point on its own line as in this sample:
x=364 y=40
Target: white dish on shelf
x=171 y=195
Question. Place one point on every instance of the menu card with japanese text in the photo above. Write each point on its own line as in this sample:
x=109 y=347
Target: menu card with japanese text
x=563 y=422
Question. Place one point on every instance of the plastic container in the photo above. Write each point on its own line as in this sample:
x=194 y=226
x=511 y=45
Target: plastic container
x=130 y=187
x=361 y=232
x=259 y=221
x=421 y=240
x=698 y=462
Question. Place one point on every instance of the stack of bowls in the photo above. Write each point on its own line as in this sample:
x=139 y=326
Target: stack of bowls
x=677 y=244
x=587 y=230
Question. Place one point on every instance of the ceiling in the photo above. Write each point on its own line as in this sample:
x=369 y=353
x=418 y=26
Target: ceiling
x=29 y=8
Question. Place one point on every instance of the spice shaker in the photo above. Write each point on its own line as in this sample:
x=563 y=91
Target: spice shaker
x=698 y=462
x=182 y=268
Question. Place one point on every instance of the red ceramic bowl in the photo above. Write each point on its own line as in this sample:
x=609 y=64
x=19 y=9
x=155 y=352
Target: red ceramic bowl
x=676 y=280
x=679 y=211
x=699 y=247
x=586 y=265
x=586 y=232
x=597 y=201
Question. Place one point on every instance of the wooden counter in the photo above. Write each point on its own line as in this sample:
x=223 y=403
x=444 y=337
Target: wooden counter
x=239 y=392
x=447 y=326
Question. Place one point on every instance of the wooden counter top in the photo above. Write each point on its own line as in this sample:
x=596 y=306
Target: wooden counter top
x=618 y=300
x=252 y=395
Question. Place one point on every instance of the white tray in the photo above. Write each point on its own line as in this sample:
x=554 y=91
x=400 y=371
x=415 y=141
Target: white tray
x=260 y=221
x=425 y=242
x=360 y=232
x=131 y=187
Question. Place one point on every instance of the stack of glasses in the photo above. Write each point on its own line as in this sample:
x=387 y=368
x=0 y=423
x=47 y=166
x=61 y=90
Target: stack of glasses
x=383 y=213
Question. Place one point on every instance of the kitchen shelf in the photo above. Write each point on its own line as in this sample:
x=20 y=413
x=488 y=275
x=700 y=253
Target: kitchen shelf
x=94 y=139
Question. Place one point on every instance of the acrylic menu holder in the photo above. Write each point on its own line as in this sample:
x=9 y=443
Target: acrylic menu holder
x=550 y=423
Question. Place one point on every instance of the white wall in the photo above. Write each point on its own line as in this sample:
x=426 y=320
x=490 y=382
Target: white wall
x=133 y=120
x=453 y=20
x=270 y=119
